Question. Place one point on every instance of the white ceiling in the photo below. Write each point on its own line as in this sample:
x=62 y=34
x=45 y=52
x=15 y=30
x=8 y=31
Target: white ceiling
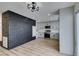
x=45 y=9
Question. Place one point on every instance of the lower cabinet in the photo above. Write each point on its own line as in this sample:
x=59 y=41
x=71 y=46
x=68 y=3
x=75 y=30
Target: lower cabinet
x=5 y=42
x=54 y=35
x=40 y=35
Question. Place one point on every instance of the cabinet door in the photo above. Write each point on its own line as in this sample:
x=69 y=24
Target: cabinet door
x=40 y=35
x=5 y=30
x=52 y=35
x=5 y=42
x=34 y=31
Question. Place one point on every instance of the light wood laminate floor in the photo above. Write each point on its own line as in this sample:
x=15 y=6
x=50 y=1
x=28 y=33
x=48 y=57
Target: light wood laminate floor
x=38 y=47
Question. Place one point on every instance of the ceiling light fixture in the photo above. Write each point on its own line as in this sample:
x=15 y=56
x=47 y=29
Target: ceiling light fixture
x=33 y=6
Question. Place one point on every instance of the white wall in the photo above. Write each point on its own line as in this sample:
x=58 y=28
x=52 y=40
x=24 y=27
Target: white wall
x=66 y=31
x=51 y=17
x=76 y=7
x=77 y=35
x=76 y=13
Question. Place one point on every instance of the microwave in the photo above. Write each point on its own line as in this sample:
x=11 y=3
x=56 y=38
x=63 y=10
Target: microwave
x=47 y=27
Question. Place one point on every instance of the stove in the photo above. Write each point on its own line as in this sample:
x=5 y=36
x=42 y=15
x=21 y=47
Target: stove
x=47 y=34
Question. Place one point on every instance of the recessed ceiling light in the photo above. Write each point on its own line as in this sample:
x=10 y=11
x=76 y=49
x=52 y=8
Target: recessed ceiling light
x=49 y=14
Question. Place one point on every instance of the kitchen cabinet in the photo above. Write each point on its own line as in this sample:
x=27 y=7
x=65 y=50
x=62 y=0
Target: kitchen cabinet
x=40 y=35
